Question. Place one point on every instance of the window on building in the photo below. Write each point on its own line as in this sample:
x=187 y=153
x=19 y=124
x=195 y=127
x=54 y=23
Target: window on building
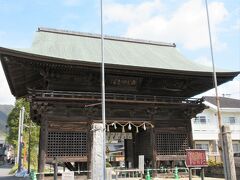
x=236 y=147
x=202 y=146
x=230 y=120
x=200 y=120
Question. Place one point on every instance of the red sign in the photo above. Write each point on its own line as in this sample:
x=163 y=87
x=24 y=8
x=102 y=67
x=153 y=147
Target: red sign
x=196 y=158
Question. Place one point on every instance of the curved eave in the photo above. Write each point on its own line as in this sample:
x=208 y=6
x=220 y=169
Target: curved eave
x=37 y=57
x=40 y=58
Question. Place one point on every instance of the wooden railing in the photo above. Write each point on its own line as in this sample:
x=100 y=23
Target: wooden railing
x=111 y=97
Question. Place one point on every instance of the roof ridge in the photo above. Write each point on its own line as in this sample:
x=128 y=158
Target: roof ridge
x=115 y=38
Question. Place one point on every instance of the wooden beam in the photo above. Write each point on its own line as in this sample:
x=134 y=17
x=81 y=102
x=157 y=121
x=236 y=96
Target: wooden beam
x=68 y=159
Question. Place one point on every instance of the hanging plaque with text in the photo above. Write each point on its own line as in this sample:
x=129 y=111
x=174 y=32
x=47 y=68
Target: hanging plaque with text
x=110 y=136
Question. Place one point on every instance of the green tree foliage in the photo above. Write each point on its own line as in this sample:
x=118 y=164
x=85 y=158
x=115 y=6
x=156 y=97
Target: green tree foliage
x=13 y=123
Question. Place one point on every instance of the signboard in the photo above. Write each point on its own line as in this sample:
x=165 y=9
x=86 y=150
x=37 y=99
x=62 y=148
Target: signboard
x=68 y=175
x=196 y=158
x=118 y=136
x=141 y=163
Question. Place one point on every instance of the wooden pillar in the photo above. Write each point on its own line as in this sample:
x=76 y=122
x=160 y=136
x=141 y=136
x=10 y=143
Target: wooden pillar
x=42 y=147
x=154 y=151
x=135 y=155
x=189 y=130
x=190 y=140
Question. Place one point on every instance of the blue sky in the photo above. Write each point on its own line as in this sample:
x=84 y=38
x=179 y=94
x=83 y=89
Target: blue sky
x=180 y=21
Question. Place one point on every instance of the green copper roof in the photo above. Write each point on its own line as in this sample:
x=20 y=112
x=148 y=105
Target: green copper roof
x=118 y=51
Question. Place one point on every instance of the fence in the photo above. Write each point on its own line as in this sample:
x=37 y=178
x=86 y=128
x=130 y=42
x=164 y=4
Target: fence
x=168 y=172
x=128 y=173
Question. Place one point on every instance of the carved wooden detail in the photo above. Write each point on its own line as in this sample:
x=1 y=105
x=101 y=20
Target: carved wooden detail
x=67 y=126
x=87 y=106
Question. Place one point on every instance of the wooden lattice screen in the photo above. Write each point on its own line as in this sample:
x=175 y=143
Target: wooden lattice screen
x=171 y=143
x=67 y=144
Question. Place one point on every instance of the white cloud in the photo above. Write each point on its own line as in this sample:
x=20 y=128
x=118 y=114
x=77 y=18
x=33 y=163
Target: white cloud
x=129 y=13
x=218 y=12
x=186 y=26
x=5 y=95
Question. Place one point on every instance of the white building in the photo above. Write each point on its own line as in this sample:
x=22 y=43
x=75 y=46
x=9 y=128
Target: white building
x=205 y=126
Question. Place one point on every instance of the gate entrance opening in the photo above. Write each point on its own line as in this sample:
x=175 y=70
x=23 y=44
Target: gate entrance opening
x=124 y=144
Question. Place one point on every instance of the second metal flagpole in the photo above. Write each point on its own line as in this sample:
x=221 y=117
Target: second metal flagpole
x=103 y=95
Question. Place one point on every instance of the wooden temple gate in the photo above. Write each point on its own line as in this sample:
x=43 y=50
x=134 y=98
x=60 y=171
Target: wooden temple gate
x=62 y=83
x=66 y=127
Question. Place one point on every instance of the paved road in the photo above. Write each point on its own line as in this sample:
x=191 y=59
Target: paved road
x=4 y=170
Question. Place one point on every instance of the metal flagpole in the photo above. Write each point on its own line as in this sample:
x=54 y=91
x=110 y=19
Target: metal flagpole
x=214 y=72
x=103 y=95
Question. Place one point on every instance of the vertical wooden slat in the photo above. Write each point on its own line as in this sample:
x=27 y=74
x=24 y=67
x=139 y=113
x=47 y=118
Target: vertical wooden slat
x=89 y=145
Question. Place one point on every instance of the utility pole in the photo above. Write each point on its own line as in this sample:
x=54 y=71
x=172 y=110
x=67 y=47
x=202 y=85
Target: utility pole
x=227 y=156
